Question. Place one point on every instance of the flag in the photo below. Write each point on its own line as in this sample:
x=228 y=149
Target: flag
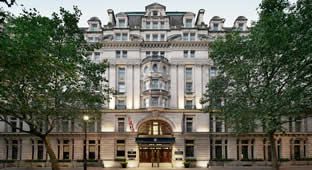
x=130 y=124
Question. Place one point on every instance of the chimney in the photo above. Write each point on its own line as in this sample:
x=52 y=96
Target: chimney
x=111 y=17
x=200 y=17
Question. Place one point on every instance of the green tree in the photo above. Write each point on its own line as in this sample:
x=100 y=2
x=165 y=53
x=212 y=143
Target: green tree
x=265 y=77
x=45 y=75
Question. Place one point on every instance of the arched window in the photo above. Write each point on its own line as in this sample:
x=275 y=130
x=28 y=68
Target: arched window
x=155 y=68
x=145 y=69
x=164 y=69
x=155 y=128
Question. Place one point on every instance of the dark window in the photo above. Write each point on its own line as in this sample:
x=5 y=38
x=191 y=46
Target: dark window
x=66 y=149
x=188 y=87
x=92 y=148
x=244 y=152
x=218 y=126
x=121 y=124
x=189 y=124
x=189 y=148
x=40 y=150
x=121 y=148
x=14 y=149
x=215 y=27
x=218 y=151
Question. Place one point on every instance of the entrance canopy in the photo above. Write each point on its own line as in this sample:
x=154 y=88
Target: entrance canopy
x=155 y=140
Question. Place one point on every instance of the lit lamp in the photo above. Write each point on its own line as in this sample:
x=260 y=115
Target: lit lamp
x=85 y=118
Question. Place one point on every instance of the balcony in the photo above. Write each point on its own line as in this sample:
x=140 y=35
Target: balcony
x=120 y=107
x=189 y=107
x=155 y=58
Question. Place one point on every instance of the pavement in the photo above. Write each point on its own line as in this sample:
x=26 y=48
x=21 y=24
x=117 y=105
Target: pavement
x=145 y=168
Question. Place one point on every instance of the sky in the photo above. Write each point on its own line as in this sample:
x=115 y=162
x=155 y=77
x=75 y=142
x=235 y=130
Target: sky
x=228 y=9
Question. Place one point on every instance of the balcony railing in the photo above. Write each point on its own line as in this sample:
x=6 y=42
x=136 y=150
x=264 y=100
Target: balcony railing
x=189 y=107
x=120 y=107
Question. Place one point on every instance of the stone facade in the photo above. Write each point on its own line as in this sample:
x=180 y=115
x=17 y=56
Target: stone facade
x=159 y=66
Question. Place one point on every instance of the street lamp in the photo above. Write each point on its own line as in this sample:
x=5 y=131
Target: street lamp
x=85 y=118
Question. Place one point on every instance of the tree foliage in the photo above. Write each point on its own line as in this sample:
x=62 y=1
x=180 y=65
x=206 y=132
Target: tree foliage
x=266 y=76
x=45 y=75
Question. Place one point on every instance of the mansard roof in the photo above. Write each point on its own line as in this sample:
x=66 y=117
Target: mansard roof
x=94 y=19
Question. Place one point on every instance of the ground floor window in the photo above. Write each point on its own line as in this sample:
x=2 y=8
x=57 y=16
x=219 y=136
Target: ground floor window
x=121 y=148
x=92 y=149
x=218 y=149
x=14 y=149
x=40 y=148
x=189 y=148
x=298 y=149
x=245 y=149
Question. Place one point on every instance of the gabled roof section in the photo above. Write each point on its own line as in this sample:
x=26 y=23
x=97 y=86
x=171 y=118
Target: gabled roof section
x=155 y=5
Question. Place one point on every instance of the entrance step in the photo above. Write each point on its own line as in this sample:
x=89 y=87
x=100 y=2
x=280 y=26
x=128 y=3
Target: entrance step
x=161 y=165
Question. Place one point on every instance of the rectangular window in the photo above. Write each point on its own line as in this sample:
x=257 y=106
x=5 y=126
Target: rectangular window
x=118 y=37
x=162 y=25
x=185 y=53
x=188 y=23
x=40 y=150
x=65 y=125
x=148 y=25
x=189 y=104
x=188 y=72
x=14 y=124
x=155 y=13
x=147 y=53
x=154 y=101
x=189 y=148
x=218 y=126
x=121 y=87
x=241 y=26
x=155 y=84
x=155 y=37
x=192 y=54
x=92 y=149
x=93 y=27
x=96 y=56
x=213 y=72
x=124 y=37
x=188 y=87
x=162 y=37
x=121 y=105
x=66 y=149
x=90 y=39
x=124 y=54
x=218 y=149
x=14 y=149
x=148 y=37
x=122 y=23
x=155 y=25
x=121 y=148
x=215 y=27
x=189 y=124
x=121 y=124
x=298 y=124
x=185 y=36
x=118 y=54
x=162 y=53
x=155 y=53
x=121 y=73
x=192 y=37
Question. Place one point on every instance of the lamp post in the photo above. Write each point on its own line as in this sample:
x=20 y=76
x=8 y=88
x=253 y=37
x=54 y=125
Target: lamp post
x=85 y=118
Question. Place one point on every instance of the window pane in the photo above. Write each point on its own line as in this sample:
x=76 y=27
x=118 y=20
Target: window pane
x=188 y=23
x=188 y=72
x=154 y=101
x=122 y=23
x=185 y=54
x=148 y=37
x=192 y=54
x=215 y=27
x=124 y=37
x=155 y=25
x=124 y=54
x=155 y=37
x=148 y=25
x=118 y=37
x=189 y=151
x=213 y=72
x=192 y=37
x=117 y=54
x=185 y=36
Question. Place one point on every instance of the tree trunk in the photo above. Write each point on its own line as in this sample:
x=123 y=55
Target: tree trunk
x=54 y=162
x=275 y=163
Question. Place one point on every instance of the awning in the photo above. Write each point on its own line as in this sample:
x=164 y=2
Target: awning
x=155 y=140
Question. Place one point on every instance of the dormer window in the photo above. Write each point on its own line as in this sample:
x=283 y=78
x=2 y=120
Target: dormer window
x=241 y=26
x=93 y=27
x=215 y=27
x=188 y=23
x=155 y=13
x=122 y=23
